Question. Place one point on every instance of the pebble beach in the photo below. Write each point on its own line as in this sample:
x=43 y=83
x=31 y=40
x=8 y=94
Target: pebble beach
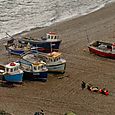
x=58 y=96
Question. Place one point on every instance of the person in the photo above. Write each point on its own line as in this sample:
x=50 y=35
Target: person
x=83 y=85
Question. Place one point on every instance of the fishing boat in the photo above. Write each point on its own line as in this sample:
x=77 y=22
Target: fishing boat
x=11 y=72
x=33 y=68
x=18 y=49
x=101 y=48
x=45 y=44
x=54 y=61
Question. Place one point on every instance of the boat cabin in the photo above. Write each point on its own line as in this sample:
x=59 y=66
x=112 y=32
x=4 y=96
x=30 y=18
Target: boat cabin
x=52 y=36
x=52 y=57
x=12 y=67
x=31 y=63
x=38 y=66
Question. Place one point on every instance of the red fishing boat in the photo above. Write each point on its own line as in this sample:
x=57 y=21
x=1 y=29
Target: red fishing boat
x=101 y=48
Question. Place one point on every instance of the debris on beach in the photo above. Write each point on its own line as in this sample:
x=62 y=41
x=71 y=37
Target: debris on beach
x=92 y=88
x=104 y=91
x=70 y=113
x=39 y=113
x=62 y=76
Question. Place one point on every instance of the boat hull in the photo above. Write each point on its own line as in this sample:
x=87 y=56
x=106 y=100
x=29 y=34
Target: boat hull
x=16 y=52
x=58 y=68
x=43 y=46
x=42 y=76
x=101 y=53
x=17 y=78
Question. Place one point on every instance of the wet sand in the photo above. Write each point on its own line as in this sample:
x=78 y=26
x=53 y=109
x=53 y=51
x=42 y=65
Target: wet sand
x=57 y=96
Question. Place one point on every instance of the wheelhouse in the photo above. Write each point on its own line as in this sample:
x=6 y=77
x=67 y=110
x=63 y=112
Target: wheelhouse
x=52 y=36
x=12 y=67
x=52 y=57
x=38 y=66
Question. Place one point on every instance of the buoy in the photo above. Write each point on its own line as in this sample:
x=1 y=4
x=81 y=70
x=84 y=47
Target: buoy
x=12 y=64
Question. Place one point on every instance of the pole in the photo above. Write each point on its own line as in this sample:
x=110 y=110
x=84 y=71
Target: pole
x=9 y=35
x=51 y=46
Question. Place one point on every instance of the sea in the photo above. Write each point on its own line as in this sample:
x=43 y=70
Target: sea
x=17 y=16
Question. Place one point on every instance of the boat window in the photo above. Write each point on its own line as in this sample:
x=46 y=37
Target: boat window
x=55 y=37
x=48 y=36
x=11 y=70
x=57 y=59
x=7 y=69
x=51 y=37
x=42 y=66
x=38 y=67
x=35 y=68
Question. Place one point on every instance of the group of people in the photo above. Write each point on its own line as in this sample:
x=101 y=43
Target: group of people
x=94 y=89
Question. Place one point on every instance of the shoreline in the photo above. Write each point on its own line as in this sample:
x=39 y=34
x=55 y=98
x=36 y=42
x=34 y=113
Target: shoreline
x=59 y=22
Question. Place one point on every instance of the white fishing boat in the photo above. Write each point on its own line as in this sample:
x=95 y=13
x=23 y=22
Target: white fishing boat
x=33 y=68
x=54 y=61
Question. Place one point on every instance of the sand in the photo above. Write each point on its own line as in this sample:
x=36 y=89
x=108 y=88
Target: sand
x=57 y=96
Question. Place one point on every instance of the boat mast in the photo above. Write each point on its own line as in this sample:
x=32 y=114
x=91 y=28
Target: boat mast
x=51 y=46
x=9 y=35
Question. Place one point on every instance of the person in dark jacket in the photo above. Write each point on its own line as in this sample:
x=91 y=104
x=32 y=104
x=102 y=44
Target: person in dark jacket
x=83 y=85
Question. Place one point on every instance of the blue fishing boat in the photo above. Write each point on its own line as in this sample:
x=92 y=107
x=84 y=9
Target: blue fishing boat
x=45 y=44
x=33 y=68
x=18 y=49
x=54 y=61
x=12 y=72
